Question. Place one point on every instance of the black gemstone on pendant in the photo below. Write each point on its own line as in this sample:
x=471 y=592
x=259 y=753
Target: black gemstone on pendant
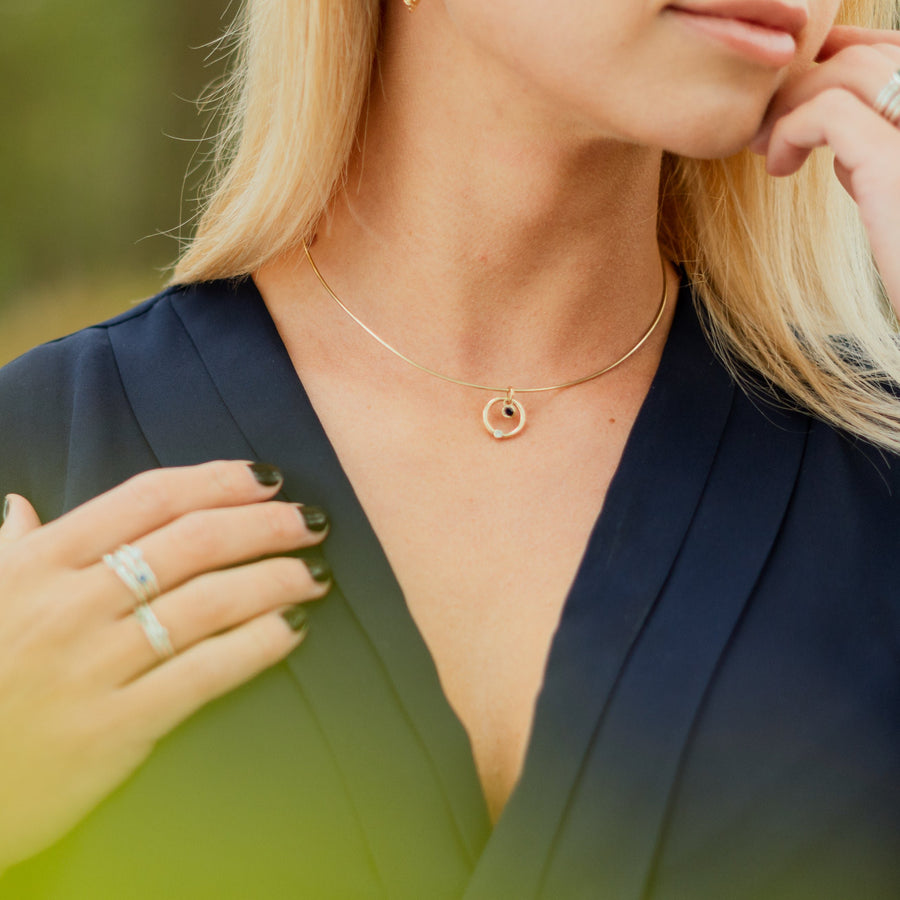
x=509 y=411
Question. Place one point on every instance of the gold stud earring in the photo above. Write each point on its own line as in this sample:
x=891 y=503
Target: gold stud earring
x=411 y=4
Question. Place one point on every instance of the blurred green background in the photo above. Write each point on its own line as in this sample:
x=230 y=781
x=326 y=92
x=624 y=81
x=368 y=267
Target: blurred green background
x=99 y=153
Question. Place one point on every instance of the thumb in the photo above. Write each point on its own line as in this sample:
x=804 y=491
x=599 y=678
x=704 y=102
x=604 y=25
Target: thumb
x=19 y=518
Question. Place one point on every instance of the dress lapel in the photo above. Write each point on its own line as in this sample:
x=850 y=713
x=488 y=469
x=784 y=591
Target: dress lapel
x=176 y=404
x=615 y=819
x=696 y=501
x=690 y=518
x=235 y=377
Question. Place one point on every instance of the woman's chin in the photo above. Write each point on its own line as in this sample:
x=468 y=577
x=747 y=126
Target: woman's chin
x=712 y=144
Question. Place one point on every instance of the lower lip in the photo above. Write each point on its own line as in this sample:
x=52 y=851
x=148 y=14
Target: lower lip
x=769 y=46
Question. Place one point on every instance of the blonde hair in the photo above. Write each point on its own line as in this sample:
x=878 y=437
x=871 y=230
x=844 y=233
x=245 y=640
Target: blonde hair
x=782 y=268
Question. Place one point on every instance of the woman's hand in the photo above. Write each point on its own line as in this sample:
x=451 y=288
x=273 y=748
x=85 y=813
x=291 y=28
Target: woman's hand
x=832 y=104
x=83 y=694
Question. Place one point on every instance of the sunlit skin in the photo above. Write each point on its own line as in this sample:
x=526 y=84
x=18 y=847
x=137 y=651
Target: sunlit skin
x=509 y=160
x=625 y=71
x=499 y=225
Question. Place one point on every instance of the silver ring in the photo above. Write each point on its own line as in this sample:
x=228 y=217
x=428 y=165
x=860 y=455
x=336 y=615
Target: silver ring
x=887 y=103
x=129 y=564
x=156 y=632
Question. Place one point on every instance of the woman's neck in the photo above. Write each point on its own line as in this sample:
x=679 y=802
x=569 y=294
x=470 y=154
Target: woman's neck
x=481 y=233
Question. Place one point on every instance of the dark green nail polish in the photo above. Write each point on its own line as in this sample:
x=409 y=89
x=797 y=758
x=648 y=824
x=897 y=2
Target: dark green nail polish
x=296 y=617
x=318 y=568
x=5 y=509
x=266 y=475
x=316 y=519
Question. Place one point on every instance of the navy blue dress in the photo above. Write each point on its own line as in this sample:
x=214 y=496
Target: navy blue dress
x=720 y=714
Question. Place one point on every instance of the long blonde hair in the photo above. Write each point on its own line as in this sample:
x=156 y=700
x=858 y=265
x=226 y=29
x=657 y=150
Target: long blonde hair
x=782 y=267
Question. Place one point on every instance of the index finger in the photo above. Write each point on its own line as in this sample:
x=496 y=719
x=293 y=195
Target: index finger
x=843 y=36
x=147 y=502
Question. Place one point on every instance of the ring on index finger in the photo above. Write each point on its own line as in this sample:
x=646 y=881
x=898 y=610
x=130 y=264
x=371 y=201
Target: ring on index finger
x=887 y=103
x=129 y=564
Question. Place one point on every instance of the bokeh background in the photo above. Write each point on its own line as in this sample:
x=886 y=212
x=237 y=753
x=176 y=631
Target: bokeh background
x=100 y=153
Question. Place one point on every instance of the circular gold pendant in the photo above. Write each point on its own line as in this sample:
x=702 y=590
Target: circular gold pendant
x=509 y=409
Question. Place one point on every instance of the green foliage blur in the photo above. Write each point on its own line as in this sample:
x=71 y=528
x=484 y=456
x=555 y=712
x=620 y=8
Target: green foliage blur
x=99 y=152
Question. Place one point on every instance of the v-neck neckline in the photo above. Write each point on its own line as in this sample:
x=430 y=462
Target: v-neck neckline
x=274 y=412
x=651 y=502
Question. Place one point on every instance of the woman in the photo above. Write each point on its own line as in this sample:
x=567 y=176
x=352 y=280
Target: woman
x=612 y=615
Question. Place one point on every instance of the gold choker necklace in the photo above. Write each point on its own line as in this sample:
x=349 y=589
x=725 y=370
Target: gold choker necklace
x=510 y=408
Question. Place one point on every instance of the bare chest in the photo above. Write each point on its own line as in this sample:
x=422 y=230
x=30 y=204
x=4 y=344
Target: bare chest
x=485 y=540
x=484 y=536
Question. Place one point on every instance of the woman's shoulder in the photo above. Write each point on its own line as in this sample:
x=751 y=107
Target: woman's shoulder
x=52 y=370
x=64 y=401
x=73 y=350
x=848 y=468
x=66 y=356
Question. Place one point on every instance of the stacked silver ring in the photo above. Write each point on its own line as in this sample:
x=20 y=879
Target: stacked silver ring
x=887 y=103
x=129 y=564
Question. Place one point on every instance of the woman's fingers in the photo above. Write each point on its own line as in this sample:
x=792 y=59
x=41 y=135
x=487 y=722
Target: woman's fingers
x=838 y=119
x=205 y=540
x=867 y=160
x=210 y=605
x=147 y=502
x=19 y=518
x=862 y=70
x=834 y=104
x=99 y=660
x=843 y=36
x=164 y=697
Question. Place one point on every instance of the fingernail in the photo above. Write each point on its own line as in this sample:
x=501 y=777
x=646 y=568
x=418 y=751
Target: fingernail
x=316 y=518
x=318 y=568
x=296 y=617
x=266 y=475
x=5 y=509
